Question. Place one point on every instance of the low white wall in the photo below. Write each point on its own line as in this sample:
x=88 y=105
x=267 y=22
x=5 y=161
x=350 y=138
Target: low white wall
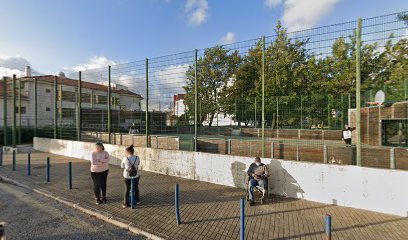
x=380 y=190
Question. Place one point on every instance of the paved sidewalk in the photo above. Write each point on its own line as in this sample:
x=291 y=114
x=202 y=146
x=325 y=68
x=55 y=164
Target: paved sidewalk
x=208 y=211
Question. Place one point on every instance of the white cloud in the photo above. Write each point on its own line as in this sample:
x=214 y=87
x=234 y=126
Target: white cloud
x=94 y=63
x=13 y=65
x=166 y=83
x=228 y=38
x=273 y=3
x=197 y=11
x=303 y=14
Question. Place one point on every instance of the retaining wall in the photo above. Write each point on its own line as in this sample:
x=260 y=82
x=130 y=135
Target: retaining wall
x=380 y=190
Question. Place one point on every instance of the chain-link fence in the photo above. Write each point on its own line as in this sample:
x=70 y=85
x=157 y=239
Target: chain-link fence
x=286 y=96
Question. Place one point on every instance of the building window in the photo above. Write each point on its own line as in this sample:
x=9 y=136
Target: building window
x=68 y=96
x=23 y=110
x=48 y=109
x=115 y=101
x=102 y=100
x=85 y=98
x=47 y=90
x=68 y=112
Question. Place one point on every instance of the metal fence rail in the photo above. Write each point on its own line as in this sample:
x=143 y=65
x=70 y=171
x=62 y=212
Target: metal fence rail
x=303 y=85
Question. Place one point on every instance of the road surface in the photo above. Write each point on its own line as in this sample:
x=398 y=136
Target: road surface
x=29 y=215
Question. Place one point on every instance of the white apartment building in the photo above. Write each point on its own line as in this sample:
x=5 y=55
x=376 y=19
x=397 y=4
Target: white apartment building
x=94 y=96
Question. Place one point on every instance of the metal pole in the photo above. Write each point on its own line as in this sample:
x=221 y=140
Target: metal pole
x=195 y=100
x=328 y=227
x=55 y=106
x=4 y=111
x=60 y=110
x=132 y=195
x=242 y=218
x=29 y=164
x=1 y=156
x=79 y=107
x=70 y=175
x=301 y=112
x=263 y=96
x=48 y=177
x=13 y=123
x=256 y=124
x=35 y=108
x=19 y=111
x=14 y=160
x=176 y=204
x=147 y=102
x=109 y=105
x=358 y=82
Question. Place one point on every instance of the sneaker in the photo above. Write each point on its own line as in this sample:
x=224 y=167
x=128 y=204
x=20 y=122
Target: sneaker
x=138 y=203
x=104 y=200
x=251 y=203
x=98 y=201
x=125 y=205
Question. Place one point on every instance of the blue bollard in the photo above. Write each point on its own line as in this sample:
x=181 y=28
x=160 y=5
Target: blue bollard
x=48 y=170
x=1 y=156
x=70 y=175
x=177 y=205
x=14 y=160
x=328 y=227
x=132 y=193
x=242 y=229
x=29 y=164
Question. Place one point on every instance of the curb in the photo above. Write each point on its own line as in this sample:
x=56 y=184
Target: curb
x=118 y=222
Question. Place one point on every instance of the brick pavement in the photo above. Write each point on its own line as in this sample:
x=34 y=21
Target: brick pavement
x=208 y=211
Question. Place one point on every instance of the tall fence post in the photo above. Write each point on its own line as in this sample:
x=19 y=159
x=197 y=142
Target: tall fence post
x=358 y=92
x=301 y=112
x=392 y=158
x=79 y=107
x=109 y=105
x=35 y=108
x=263 y=96
x=147 y=102
x=5 y=111
x=13 y=110
x=325 y=155
x=195 y=100
x=177 y=204
x=272 y=150
x=14 y=160
x=255 y=120
x=55 y=106
x=242 y=218
x=19 y=110
x=229 y=146
x=29 y=164
x=60 y=129
x=1 y=156
x=48 y=177
x=70 y=175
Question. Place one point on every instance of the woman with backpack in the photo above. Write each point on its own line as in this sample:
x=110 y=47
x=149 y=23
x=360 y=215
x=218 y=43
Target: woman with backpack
x=130 y=164
x=99 y=172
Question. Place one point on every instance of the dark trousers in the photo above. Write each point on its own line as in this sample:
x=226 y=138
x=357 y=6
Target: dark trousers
x=347 y=141
x=99 y=183
x=128 y=185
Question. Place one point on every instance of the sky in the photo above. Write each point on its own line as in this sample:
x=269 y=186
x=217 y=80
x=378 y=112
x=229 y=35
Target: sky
x=68 y=35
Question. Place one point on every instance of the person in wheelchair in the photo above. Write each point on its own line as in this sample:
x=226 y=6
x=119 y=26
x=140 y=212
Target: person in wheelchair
x=258 y=174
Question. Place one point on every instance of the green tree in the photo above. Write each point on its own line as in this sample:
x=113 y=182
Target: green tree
x=215 y=68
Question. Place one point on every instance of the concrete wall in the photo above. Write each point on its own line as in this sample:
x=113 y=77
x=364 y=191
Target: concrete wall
x=359 y=187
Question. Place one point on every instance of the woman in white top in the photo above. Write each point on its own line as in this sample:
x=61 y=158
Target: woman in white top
x=130 y=164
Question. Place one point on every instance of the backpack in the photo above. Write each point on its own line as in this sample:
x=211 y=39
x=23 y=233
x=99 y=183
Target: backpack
x=133 y=170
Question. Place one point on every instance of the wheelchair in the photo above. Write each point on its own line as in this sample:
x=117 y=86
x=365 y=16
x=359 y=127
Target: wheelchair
x=260 y=190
